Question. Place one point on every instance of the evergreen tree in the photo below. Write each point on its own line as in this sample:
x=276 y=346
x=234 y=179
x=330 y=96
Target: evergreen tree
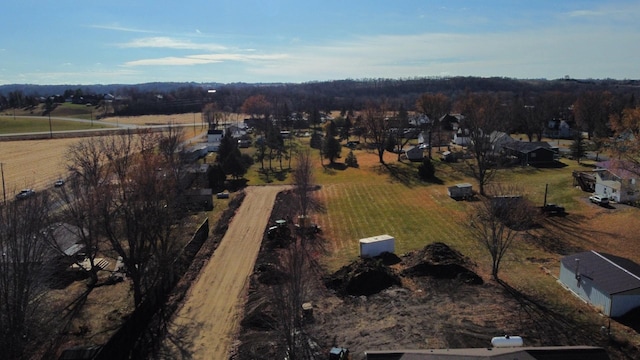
x=351 y=160
x=331 y=148
x=578 y=148
x=426 y=170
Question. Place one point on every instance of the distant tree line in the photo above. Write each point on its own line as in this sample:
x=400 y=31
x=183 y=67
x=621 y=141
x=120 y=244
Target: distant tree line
x=345 y=95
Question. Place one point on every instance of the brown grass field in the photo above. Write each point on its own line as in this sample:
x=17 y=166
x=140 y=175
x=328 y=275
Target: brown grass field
x=38 y=163
x=32 y=163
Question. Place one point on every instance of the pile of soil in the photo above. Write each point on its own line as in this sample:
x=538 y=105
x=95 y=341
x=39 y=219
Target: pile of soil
x=368 y=276
x=365 y=276
x=439 y=261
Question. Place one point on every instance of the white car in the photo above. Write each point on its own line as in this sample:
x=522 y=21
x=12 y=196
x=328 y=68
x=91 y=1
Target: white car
x=599 y=199
x=58 y=183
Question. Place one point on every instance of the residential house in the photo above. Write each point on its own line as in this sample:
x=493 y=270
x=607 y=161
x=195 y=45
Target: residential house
x=214 y=137
x=67 y=240
x=415 y=154
x=451 y=121
x=237 y=131
x=419 y=120
x=499 y=140
x=618 y=180
x=609 y=283
x=462 y=137
x=530 y=153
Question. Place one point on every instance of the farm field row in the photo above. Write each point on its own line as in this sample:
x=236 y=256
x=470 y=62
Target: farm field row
x=33 y=163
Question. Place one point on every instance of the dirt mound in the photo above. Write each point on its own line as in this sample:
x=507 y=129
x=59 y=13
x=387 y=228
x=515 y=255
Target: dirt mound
x=440 y=261
x=365 y=276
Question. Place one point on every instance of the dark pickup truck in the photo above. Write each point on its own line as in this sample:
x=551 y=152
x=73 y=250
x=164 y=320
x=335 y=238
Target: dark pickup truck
x=552 y=209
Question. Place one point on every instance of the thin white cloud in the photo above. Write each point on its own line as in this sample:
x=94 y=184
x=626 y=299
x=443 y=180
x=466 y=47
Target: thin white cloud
x=584 y=13
x=549 y=53
x=169 y=61
x=117 y=27
x=203 y=59
x=170 y=43
x=612 y=13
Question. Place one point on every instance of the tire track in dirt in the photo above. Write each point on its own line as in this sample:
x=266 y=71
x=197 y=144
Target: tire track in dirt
x=206 y=325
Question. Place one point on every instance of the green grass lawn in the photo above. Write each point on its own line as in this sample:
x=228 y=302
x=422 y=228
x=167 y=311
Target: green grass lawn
x=373 y=200
x=37 y=120
x=9 y=125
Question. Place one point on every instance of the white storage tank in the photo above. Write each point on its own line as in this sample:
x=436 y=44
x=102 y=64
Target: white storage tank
x=506 y=341
x=376 y=245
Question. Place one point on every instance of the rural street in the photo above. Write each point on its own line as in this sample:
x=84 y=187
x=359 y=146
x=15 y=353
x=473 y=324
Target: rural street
x=207 y=324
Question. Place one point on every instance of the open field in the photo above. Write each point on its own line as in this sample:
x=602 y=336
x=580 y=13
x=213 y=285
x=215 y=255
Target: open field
x=41 y=124
x=33 y=163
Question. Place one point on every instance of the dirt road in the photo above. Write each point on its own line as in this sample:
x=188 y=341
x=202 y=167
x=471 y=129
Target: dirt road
x=207 y=324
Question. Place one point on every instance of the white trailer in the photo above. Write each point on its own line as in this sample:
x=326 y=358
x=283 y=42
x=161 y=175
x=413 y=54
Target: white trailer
x=376 y=245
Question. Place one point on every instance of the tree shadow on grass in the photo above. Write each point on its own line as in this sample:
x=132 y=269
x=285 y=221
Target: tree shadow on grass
x=401 y=173
x=268 y=176
x=332 y=169
x=405 y=174
x=553 y=326
x=236 y=184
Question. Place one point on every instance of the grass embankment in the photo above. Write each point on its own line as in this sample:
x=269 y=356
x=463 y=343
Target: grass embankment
x=37 y=120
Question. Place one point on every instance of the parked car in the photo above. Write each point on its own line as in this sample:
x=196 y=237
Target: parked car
x=599 y=199
x=58 y=183
x=25 y=194
x=352 y=144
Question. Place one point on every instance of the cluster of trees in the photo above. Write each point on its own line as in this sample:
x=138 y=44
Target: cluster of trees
x=123 y=198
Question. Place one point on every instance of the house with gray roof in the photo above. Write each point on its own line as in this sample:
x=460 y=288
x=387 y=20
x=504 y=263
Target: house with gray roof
x=530 y=153
x=609 y=283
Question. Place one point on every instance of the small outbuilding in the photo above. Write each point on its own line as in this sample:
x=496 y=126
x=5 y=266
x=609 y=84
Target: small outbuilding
x=460 y=191
x=376 y=245
x=609 y=283
x=415 y=154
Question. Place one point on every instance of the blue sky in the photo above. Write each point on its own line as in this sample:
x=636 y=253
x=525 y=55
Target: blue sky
x=129 y=42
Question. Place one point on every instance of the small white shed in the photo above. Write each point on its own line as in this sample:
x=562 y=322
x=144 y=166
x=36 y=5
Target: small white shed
x=376 y=245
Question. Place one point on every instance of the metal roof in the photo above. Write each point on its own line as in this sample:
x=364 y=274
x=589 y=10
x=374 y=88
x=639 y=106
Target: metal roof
x=611 y=274
x=527 y=147
x=521 y=353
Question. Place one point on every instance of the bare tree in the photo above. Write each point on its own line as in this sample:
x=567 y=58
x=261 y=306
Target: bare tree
x=23 y=232
x=592 y=110
x=497 y=220
x=434 y=106
x=297 y=263
x=482 y=116
x=140 y=207
x=376 y=127
x=81 y=198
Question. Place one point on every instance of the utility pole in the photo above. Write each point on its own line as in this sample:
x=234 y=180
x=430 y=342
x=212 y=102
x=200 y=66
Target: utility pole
x=50 y=129
x=4 y=193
